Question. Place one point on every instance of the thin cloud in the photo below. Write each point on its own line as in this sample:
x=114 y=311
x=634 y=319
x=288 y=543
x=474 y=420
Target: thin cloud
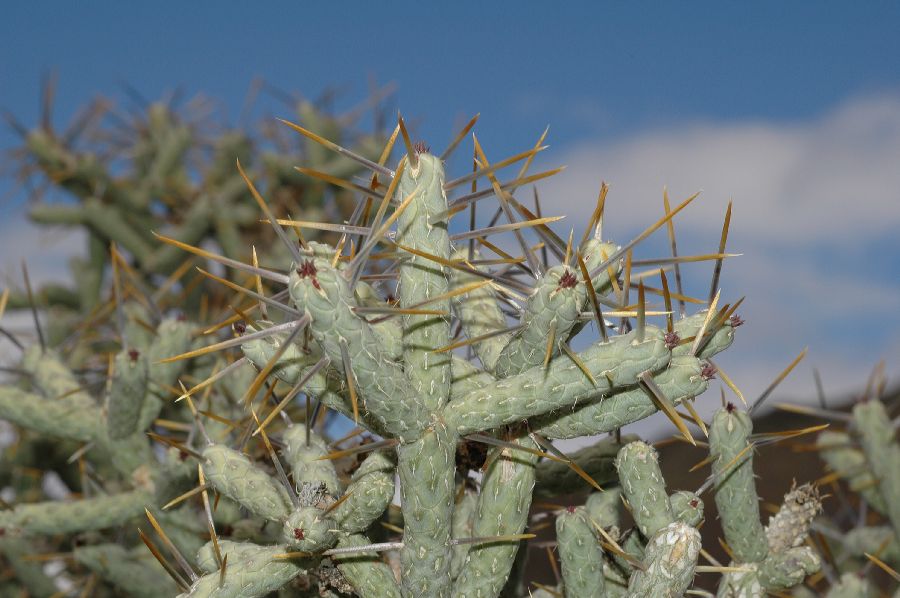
x=816 y=207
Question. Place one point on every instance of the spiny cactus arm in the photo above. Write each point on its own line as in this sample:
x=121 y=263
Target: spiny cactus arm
x=644 y=487
x=479 y=313
x=681 y=380
x=103 y=220
x=56 y=517
x=192 y=230
x=735 y=489
x=53 y=378
x=613 y=365
x=236 y=551
x=787 y=569
x=309 y=529
x=56 y=418
x=580 y=555
x=422 y=279
x=843 y=458
x=605 y=508
x=323 y=293
x=462 y=527
x=555 y=478
x=877 y=437
x=687 y=507
x=305 y=460
x=232 y=474
x=717 y=338
x=29 y=574
x=370 y=491
x=552 y=308
x=503 y=505
x=126 y=394
x=426 y=469
x=255 y=574
x=369 y=575
x=173 y=337
x=467 y=377
x=669 y=562
x=117 y=566
x=326 y=385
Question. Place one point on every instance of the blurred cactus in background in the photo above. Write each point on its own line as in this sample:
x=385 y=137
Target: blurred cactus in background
x=453 y=359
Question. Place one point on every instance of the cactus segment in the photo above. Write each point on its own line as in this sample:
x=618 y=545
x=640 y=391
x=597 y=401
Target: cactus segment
x=536 y=391
x=479 y=313
x=367 y=573
x=556 y=478
x=735 y=490
x=308 y=529
x=554 y=305
x=669 y=562
x=305 y=462
x=426 y=469
x=256 y=574
x=422 y=279
x=323 y=294
x=370 y=491
x=644 y=487
x=55 y=517
x=126 y=394
x=137 y=577
x=687 y=507
x=580 y=555
x=682 y=379
x=877 y=437
x=502 y=509
x=234 y=475
x=462 y=527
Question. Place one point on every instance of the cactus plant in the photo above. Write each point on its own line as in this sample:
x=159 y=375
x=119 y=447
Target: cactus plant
x=248 y=501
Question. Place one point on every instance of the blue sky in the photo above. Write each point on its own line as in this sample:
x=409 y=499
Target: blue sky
x=792 y=109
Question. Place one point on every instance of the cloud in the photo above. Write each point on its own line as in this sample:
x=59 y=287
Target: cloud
x=816 y=210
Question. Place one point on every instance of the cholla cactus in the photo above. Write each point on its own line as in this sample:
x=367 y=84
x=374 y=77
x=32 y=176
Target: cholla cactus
x=863 y=535
x=288 y=516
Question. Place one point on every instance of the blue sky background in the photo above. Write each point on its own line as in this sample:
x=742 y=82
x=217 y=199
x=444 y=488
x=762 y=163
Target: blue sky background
x=791 y=109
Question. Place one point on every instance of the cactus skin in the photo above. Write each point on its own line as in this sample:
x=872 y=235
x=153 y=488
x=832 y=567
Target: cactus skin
x=614 y=365
x=426 y=469
x=645 y=489
x=735 y=490
x=371 y=490
x=669 y=563
x=839 y=454
x=126 y=394
x=680 y=380
x=255 y=574
x=304 y=461
x=580 y=555
x=461 y=527
x=235 y=476
x=687 y=507
x=597 y=460
x=307 y=529
x=502 y=509
x=88 y=514
x=551 y=306
x=877 y=437
x=366 y=572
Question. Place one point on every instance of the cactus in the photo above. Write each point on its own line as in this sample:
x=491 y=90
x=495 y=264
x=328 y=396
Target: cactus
x=245 y=500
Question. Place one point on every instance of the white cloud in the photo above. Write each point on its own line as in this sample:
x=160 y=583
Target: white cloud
x=815 y=205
